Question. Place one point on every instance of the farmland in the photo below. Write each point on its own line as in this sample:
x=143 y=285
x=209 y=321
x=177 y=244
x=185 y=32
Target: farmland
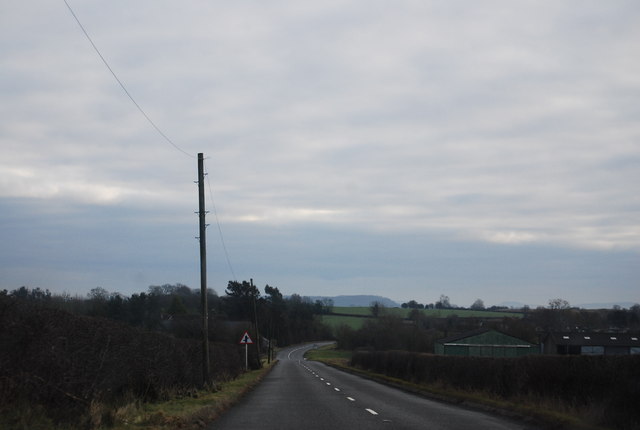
x=355 y=317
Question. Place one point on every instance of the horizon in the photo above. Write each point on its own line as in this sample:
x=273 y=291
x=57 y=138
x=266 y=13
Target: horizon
x=396 y=303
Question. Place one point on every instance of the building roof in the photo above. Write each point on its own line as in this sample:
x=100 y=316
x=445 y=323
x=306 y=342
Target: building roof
x=594 y=339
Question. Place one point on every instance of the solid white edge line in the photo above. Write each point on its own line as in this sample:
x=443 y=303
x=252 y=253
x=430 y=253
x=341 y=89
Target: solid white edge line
x=294 y=350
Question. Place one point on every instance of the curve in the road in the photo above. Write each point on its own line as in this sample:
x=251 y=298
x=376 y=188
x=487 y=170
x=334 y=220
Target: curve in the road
x=300 y=394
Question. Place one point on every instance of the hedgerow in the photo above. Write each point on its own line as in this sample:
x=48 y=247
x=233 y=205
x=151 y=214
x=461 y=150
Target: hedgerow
x=607 y=386
x=62 y=365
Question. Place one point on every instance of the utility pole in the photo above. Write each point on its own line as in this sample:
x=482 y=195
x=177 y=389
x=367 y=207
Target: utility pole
x=203 y=272
x=255 y=316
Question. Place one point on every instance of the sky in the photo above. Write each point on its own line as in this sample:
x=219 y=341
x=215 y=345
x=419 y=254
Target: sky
x=406 y=149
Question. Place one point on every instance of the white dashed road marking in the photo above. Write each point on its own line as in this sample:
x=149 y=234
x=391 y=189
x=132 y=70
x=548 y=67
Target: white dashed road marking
x=351 y=399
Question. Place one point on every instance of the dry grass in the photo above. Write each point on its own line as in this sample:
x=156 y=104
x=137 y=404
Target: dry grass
x=192 y=411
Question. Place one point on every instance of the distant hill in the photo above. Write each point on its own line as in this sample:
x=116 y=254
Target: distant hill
x=359 y=300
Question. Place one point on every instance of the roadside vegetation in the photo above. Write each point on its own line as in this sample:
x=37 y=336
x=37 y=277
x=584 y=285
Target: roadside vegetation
x=578 y=391
x=191 y=411
x=109 y=360
x=89 y=363
x=431 y=312
x=587 y=393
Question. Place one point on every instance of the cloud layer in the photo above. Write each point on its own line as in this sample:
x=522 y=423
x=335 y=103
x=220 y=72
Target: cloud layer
x=493 y=126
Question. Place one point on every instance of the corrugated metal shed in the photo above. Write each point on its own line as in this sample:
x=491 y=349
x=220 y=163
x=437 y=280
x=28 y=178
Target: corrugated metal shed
x=591 y=343
x=485 y=343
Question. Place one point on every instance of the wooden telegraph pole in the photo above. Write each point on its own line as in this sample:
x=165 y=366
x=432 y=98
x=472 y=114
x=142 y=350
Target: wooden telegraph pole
x=203 y=273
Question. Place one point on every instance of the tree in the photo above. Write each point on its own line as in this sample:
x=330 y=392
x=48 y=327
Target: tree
x=177 y=307
x=419 y=319
x=273 y=294
x=478 y=305
x=117 y=307
x=98 y=299
x=443 y=303
x=558 y=304
x=32 y=294
x=327 y=305
x=617 y=318
x=98 y=293
x=240 y=299
x=376 y=309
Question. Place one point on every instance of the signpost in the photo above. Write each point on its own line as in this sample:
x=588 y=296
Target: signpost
x=246 y=340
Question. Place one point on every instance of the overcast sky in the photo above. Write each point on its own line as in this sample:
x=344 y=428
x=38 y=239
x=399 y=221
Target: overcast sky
x=477 y=149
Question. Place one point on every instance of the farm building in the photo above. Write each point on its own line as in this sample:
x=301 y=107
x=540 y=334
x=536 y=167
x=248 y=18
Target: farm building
x=591 y=343
x=485 y=343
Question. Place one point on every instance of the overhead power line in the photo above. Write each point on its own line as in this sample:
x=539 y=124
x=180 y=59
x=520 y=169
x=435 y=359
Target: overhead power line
x=215 y=214
x=153 y=124
x=160 y=132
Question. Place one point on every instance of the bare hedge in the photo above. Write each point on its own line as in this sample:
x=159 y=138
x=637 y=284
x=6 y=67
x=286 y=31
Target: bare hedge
x=62 y=363
x=609 y=385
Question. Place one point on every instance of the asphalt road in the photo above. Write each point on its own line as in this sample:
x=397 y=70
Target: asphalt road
x=308 y=395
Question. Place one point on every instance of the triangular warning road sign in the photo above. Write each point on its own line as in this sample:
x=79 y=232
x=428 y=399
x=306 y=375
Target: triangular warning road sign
x=245 y=339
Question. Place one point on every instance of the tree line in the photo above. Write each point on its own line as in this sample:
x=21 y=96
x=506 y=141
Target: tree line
x=419 y=331
x=175 y=309
x=445 y=303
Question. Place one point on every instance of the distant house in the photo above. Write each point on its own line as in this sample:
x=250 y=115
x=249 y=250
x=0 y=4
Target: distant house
x=591 y=343
x=485 y=343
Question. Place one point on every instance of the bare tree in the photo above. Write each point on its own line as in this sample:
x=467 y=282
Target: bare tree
x=376 y=309
x=478 y=305
x=443 y=303
x=558 y=304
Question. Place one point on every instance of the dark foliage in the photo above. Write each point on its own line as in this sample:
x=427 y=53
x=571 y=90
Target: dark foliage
x=608 y=386
x=284 y=320
x=63 y=363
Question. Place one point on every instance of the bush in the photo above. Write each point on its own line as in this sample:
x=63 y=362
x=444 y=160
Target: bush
x=606 y=385
x=66 y=364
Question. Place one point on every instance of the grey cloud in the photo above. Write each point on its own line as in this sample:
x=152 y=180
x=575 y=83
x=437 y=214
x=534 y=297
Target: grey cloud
x=495 y=123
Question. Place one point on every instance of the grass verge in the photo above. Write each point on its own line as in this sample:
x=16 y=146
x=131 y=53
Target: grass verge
x=541 y=412
x=330 y=355
x=190 y=412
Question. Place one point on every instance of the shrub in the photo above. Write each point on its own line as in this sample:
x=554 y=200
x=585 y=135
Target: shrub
x=65 y=364
x=608 y=384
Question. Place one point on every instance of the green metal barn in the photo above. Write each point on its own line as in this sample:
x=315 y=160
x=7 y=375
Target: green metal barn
x=485 y=343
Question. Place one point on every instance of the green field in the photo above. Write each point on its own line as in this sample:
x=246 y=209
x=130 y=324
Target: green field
x=334 y=321
x=434 y=313
x=361 y=314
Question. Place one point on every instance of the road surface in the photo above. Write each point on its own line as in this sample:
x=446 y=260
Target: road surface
x=308 y=395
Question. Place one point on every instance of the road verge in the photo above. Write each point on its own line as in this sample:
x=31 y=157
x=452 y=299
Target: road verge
x=538 y=415
x=193 y=411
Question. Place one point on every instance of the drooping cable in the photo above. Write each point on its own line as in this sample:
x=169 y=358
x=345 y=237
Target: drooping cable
x=153 y=124
x=164 y=136
x=215 y=214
